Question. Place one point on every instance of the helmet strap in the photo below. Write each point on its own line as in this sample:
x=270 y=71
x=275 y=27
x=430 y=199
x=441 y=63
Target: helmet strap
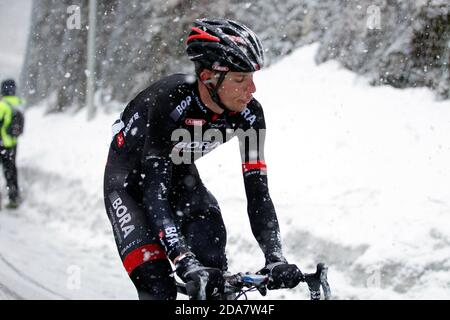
x=213 y=90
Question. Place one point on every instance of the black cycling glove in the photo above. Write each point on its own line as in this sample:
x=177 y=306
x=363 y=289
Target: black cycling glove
x=282 y=275
x=202 y=283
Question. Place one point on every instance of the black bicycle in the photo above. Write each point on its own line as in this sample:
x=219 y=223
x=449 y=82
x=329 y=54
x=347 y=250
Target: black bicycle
x=239 y=284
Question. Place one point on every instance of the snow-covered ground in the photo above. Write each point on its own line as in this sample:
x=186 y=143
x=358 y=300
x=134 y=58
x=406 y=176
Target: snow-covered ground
x=360 y=178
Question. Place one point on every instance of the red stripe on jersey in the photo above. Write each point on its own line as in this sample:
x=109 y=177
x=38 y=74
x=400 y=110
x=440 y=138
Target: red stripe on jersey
x=120 y=140
x=260 y=164
x=214 y=117
x=143 y=254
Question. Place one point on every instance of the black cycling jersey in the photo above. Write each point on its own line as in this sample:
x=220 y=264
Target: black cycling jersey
x=167 y=126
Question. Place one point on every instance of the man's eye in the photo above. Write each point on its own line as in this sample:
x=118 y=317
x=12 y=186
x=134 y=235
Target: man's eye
x=239 y=80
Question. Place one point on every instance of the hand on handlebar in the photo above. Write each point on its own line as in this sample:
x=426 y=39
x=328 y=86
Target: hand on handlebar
x=202 y=283
x=282 y=275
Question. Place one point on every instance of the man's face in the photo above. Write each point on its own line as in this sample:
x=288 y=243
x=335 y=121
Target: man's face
x=236 y=90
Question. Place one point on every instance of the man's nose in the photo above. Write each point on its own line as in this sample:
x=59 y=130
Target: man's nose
x=251 y=87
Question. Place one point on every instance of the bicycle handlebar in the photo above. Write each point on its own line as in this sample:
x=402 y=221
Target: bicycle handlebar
x=237 y=283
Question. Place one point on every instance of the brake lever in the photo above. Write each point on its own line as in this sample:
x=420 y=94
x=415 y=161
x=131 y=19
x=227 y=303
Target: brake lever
x=262 y=290
x=317 y=280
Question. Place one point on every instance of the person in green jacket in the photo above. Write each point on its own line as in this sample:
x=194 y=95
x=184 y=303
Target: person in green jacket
x=8 y=139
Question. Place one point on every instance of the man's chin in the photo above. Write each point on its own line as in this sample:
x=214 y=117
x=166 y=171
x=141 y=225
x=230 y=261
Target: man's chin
x=237 y=108
x=240 y=107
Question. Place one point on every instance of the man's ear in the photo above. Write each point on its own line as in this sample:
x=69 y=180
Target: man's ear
x=207 y=77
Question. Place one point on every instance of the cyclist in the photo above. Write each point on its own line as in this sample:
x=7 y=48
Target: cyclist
x=158 y=206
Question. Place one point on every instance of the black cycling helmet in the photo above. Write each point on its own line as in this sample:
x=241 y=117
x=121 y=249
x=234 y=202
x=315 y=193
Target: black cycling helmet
x=224 y=45
x=8 y=87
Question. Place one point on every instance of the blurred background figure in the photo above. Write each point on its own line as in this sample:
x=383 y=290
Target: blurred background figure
x=11 y=127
